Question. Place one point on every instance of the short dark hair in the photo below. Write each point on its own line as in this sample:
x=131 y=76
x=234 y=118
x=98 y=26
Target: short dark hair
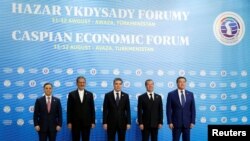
x=45 y=84
x=148 y=81
x=80 y=77
x=117 y=79
x=181 y=77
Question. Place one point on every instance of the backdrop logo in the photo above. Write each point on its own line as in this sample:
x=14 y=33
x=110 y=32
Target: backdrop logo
x=182 y=72
x=126 y=84
x=244 y=73
x=93 y=71
x=203 y=96
x=57 y=83
x=229 y=28
x=223 y=119
x=69 y=71
x=203 y=120
x=32 y=83
x=7 y=83
x=45 y=70
x=104 y=84
x=138 y=72
x=191 y=84
x=31 y=109
x=116 y=71
x=244 y=119
x=20 y=122
x=160 y=72
x=6 y=109
x=20 y=70
x=20 y=96
x=170 y=84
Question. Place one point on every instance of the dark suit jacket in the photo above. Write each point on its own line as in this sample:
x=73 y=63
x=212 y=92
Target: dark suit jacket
x=178 y=115
x=80 y=114
x=150 y=114
x=116 y=116
x=47 y=121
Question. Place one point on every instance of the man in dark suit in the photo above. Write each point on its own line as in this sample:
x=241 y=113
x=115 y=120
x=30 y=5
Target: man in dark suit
x=181 y=112
x=150 y=112
x=116 y=112
x=47 y=116
x=80 y=111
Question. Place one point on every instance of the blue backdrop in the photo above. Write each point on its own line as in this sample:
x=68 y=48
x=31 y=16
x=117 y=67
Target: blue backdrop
x=56 y=41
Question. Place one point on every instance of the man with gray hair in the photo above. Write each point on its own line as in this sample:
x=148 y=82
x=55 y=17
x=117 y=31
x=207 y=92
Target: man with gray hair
x=80 y=111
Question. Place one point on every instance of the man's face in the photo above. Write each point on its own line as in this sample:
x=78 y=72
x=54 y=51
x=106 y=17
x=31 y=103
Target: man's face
x=81 y=83
x=47 y=90
x=118 y=85
x=181 y=84
x=150 y=86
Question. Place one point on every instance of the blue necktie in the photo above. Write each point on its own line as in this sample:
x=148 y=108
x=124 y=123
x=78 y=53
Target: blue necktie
x=182 y=99
x=117 y=99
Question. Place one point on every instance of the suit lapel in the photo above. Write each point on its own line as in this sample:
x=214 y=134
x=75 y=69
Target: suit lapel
x=53 y=103
x=187 y=96
x=146 y=97
x=78 y=97
x=113 y=98
x=121 y=98
x=44 y=103
x=85 y=96
x=177 y=98
x=156 y=97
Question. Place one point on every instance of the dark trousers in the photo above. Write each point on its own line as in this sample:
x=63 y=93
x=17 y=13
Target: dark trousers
x=147 y=132
x=84 y=132
x=176 y=133
x=51 y=135
x=112 y=133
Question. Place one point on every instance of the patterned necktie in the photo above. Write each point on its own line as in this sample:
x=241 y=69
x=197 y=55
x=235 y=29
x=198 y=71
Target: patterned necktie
x=117 y=99
x=48 y=104
x=182 y=99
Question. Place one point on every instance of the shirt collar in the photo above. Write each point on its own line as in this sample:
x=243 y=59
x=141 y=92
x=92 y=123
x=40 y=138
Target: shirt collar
x=48 y=96
x=117 y=92
x=179 y=91
x=82 y=91
x=150 y=93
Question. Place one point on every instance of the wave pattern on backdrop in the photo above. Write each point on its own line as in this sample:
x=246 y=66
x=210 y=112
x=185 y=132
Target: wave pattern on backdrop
x=57 y=41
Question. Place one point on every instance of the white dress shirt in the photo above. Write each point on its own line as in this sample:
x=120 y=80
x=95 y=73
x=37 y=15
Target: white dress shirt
x=81 y=94
x=148 y=93
x=118 y=94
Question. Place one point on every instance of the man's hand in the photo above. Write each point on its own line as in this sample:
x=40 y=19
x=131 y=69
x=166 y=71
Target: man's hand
x=58 y=128
x=141 y=126
x=128 y=126
x=105 y=126
x=37 y=128
x=191 y=125
x=171 y=126
x=92 y=125
x=69 y=125
x=159 y=126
